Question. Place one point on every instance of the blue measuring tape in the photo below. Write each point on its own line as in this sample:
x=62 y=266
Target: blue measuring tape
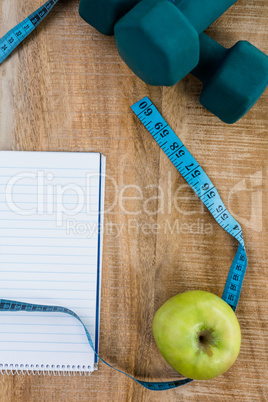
x=202 y=185
x=15 y=36
x=204 y=188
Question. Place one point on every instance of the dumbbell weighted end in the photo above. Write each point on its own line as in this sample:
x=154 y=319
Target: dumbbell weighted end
x=233 y=79
x=103 y=15
x=159 y=40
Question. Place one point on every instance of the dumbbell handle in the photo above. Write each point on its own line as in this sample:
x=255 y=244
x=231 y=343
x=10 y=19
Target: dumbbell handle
x=202 y=13
x=211 y=56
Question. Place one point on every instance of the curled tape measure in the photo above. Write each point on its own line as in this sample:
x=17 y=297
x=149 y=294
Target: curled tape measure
x=202 y=185
x=13 y=38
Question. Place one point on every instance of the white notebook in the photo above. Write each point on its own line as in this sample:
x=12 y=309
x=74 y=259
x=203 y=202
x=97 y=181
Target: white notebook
x=51 y=219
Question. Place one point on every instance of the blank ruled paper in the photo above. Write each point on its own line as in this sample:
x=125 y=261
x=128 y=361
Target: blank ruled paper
x=51 y=217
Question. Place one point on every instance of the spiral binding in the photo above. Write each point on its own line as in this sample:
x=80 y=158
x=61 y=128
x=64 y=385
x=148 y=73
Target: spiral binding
x=46 y=370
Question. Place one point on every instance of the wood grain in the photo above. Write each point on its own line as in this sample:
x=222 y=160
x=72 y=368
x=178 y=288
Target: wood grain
x=66 y=89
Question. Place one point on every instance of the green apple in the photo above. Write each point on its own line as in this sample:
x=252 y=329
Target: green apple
x=198 y=334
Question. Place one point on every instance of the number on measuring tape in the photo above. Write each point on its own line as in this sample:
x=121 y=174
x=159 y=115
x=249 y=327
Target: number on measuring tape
x=15 y=36
x=202 y=185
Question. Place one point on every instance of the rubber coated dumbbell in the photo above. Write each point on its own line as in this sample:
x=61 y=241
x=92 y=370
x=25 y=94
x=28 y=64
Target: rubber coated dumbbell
x=233 y=79
x=159 y=40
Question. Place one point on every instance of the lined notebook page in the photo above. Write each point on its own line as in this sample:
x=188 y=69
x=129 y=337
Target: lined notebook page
x=51 y=219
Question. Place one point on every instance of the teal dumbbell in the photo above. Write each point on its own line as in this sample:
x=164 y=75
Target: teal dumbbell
x=233 y=79
x=159 y=40
x=103 y=14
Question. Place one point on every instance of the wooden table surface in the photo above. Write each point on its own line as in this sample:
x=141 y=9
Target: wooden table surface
x=66 y=89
